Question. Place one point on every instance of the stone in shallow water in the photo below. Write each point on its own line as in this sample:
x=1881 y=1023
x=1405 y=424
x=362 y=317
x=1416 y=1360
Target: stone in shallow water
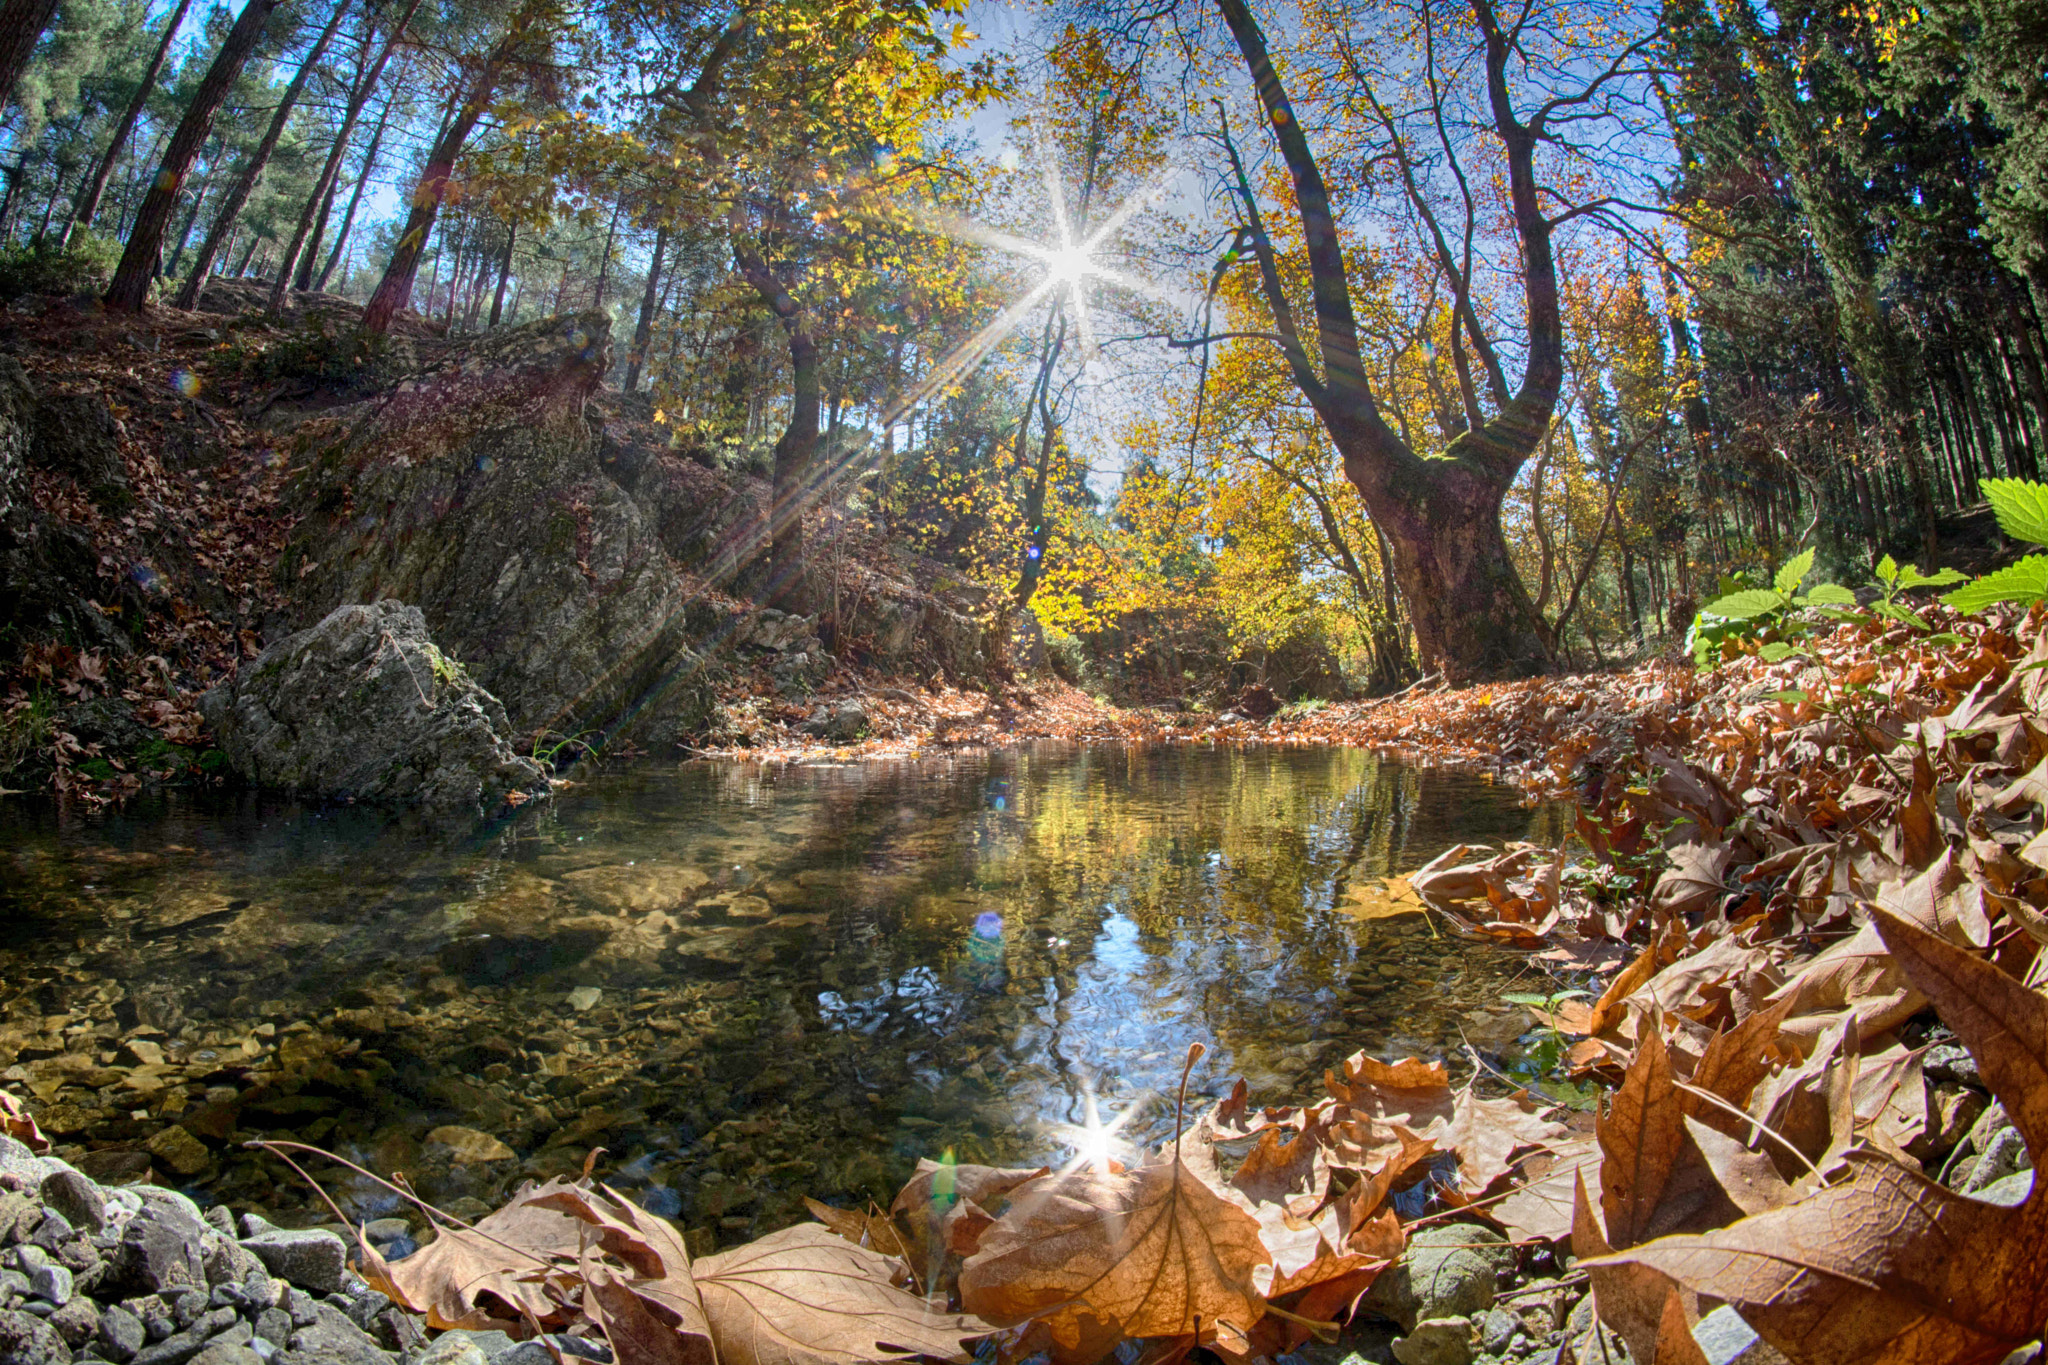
x=179 y=1150
x=468 y=1145
x=584 y=997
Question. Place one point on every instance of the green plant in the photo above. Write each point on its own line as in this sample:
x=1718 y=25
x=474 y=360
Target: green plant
x=82 y=265
x=1547 y=1059
x=1770 y=616
x=549 y=746
x=2021 y=506
x=1892 y=580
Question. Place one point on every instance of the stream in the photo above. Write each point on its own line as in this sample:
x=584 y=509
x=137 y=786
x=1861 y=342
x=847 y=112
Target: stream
x=745 y=983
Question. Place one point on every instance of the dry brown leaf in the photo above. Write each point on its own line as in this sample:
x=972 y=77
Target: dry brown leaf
x=1146 y=1253
x=515 y=1264
x=652 y=1249
x=1542 y=1207
x=1749 y=1178
x=867 y=1228
x=806 y=1296
x=921 y=1206
x=16 y=1123
x=1628 y=1298
x=1652 y=1178
x=1695 y=881
x=1676 y=1344
x=1890 y=1267
x=1487 y=1134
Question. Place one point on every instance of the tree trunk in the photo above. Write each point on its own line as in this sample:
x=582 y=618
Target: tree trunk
x=437 y=177
x=651 y=296
x=230 y=211
x=320 y=203
x=505 y=272
x=355 y=196
x=1441 y=517
x=21 y=27
x=604 y=264
x=129 y=292
x=95 y=189
x=795 y=453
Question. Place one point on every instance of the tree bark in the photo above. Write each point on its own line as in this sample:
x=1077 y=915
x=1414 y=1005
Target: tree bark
x=320 y=203
x=129 y=292
x=95 y=189
x=355 y=197
x=21 y=27
x=1441 y=517
x=245 y=184
x=796 y=449
x=437 y=177
x=504 y=273
x=644 y=329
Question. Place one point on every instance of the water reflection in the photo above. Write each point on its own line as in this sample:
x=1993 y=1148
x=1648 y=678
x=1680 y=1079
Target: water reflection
x=747 y=984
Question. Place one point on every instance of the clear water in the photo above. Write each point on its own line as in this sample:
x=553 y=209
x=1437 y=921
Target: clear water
x=747 y=984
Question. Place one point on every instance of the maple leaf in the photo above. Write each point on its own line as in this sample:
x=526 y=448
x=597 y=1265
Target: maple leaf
x=508 y=1267
x=1098 y=1257
x=16 y=1123
x=1891 y=1268
x=806 y=1296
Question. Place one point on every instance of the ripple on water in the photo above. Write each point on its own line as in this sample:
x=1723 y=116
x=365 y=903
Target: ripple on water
x=747 y=984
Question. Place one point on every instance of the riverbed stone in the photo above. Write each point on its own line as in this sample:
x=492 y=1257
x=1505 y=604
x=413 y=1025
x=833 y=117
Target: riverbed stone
x=27 y=1340
x=363 y=705
x=51 y=1282
x=121 y=1334
x=77 y=1321
x=311 y=1259
x=160 y=1251
x=177 y=1149
x=78 y=1198
x=1442 y=1274
x=1436 y=1341
x=332 y=1340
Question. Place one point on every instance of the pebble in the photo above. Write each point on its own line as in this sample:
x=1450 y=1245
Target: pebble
x=51 y=1282
x=121 y=1334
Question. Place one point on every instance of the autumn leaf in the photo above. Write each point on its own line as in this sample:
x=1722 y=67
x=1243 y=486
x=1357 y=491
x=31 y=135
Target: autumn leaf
x=805 y=1296
x=1891 y=1267
x=1099 y=1257
x=16 y=1123
x=506 y=1268
x=661 y=1283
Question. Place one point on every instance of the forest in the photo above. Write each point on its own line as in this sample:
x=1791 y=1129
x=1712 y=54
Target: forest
x=541 y=545
x=1217 y=343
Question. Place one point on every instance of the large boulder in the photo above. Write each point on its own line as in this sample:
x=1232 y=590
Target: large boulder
x=475 y=493
x=363 y=705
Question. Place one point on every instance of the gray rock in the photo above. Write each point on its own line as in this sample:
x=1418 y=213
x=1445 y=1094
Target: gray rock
x=13 y=1287
x=80 y=1200
x=120 y=1334
x=226 y=1261
x=1497 y=1328
x=28 y=1258
x=477 y=495
x=1448 y=1270
x=2010 y=1191
x=187 y=1307
x=363 y=705
x=262 y=1290
x=27 y=1340
x=333 y=1340
x=274 y=1325
x=492 y=1344
x=1951 y=1062
x=524 y=1353
x=303 y=1307
x=160 y=1251
x=77 y=434
x=54 y=1231
x=175 y=1349
x=16 y=1210
x=1725 y=1339
x=41 y=1308
x=1436 y=1341
x=227 y=1353
x=451 y=1348
x=77 y=1321
x=2006 y=1154
x=51 y=1282
x=382 y=1230
x=312 y=1259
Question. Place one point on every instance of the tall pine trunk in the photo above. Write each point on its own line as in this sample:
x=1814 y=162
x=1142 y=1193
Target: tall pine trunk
x=245 y=184
x=95 y=189
x=21 y=27
x=129 y=292
x=649 y=297
x=355 y=197
x=305 y=243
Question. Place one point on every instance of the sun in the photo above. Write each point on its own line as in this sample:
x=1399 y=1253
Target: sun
x=1069 y=265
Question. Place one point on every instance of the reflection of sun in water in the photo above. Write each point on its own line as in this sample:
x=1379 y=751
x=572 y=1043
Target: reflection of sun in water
x=1096 y=1144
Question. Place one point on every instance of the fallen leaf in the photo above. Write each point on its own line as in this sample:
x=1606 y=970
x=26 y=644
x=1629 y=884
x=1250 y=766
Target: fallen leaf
x=806 y=1296
x=1099 y=1257
x=506 y=1268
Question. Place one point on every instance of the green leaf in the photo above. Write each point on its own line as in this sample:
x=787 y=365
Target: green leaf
x=1746 y=605
x=2022 y=508
x=1776 y=652
x=1791 y=694
x=1794 y=573
x=1888 y=570
x=1905 y=616
x=2026 y=581
x=1830 y=595
x=1525 y=998
x=1913 y=578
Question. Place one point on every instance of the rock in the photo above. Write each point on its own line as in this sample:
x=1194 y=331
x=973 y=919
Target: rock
x=27 y=1340
x=227 y=1353
x=2006 y=1154
x=2009 y=1191
x=582 y=998
x=467 y=1145
x=452 y=1348
x=16 y=1210
x=382 y=1230
x=13 y=1287
x=76 y=434
x=1436 y=1341
x=176 y=1148
x=77 y=1198
x=160 y=1251
x=524 y=1353
x=1440 y=1275
x=311 y=1259
x=77 y=1321
x=50 y=1282
x=363 y=705
x=121 y=1334
x=492 y=1344
x=332 y=1340
x=115 y=1166
x=1725 y=1339
x=1951 y=1062
x=1497 y=1328
x=477 y=495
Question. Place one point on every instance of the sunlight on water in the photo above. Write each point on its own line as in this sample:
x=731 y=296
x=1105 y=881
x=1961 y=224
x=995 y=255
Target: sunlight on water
x=747 y=984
